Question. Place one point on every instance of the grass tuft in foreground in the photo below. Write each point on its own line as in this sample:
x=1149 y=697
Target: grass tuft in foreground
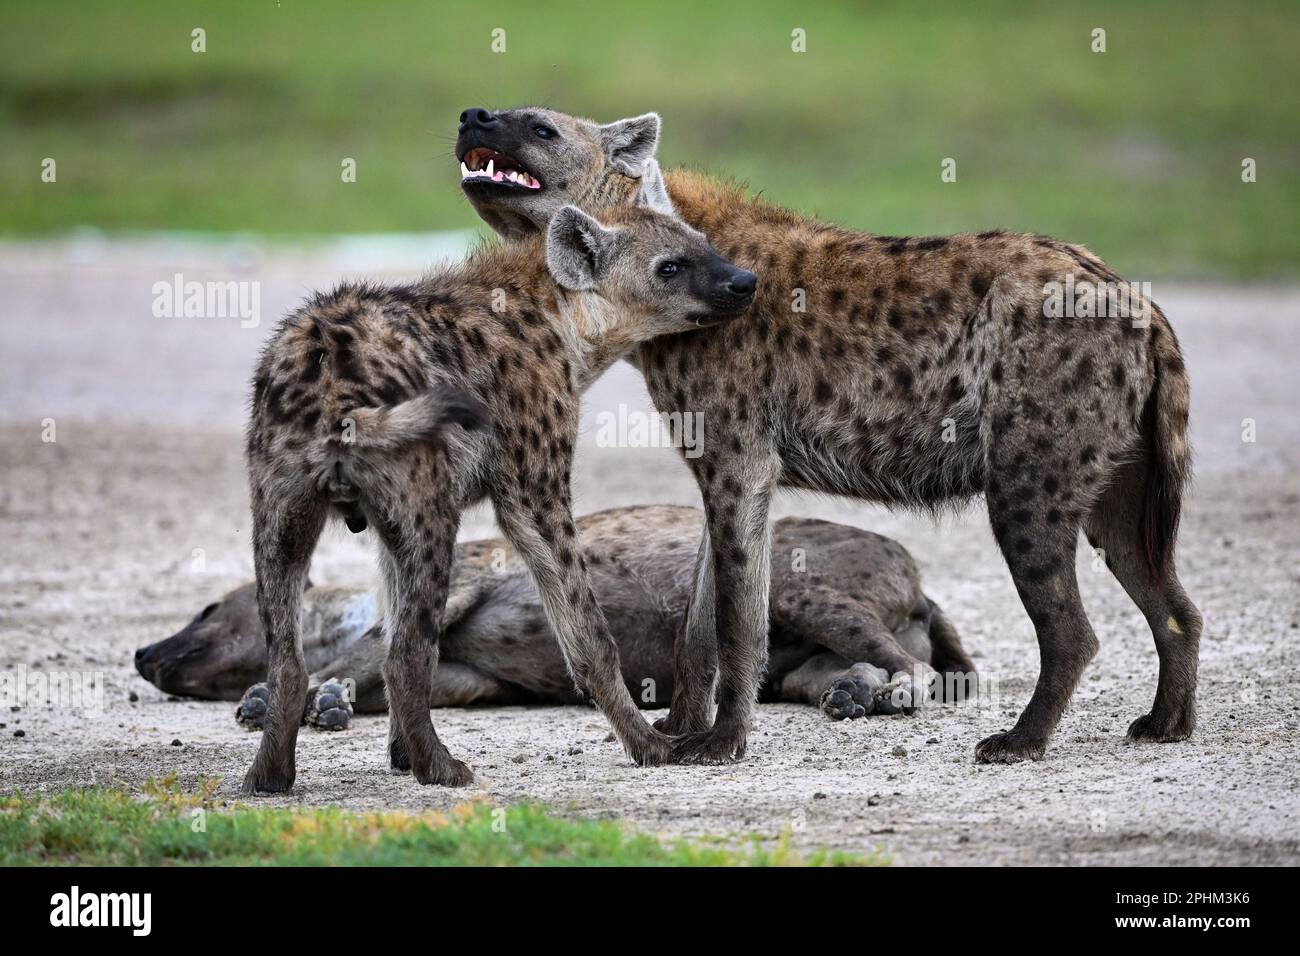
x=168 y=826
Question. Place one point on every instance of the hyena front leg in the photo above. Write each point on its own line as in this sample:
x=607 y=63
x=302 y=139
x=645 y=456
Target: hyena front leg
x=545 y=536
x=417 y=567
x=737 y=497
x=285 y=528
x=695 y=653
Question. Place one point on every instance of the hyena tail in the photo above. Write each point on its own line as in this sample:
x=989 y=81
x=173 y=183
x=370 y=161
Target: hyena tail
x=390 y=429
x=394 y=427
x=1169 y=462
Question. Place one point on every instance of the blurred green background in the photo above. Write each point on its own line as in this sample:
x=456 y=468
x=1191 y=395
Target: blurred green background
x=1136 y=152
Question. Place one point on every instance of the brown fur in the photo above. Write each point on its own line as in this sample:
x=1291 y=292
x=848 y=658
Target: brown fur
x=494 y=344
x=1062 y=423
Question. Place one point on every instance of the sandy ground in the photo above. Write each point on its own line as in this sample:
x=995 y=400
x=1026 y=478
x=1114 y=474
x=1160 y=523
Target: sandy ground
x=136 y=516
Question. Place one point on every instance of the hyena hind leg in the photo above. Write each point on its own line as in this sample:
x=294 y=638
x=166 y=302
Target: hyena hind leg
x=1038 y=541
x=284 y=536
x=854 y=632
x=840 y=688
x=416 y=566
x=1113 y=526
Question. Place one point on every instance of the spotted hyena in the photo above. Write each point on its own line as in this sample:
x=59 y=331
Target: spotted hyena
x=911 y=371
x=354 y=402
x=496 y=647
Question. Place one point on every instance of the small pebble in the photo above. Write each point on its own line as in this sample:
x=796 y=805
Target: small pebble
x=899 y=751
x=176 y=742
x=819 y=795
x=133 y=697
x=574 y=751
x=874 y=800
x=20 y=733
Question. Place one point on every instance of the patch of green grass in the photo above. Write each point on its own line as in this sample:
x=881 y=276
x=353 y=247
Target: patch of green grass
x=1135 y=152
x=168 y=826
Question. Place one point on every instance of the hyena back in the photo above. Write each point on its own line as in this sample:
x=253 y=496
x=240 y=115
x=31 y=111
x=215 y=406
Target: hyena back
x=917 y=372
x=354 y=400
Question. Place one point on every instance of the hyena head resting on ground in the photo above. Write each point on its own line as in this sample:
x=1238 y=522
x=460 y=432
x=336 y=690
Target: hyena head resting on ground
x=915 y=372
x=355 y=400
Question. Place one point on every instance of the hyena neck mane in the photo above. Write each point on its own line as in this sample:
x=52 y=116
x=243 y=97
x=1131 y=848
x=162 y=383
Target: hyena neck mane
x=720 y=207
x=514 y=279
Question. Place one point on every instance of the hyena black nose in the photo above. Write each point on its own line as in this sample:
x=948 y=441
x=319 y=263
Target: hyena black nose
x=476 y=116
x=742 y=283
x=143 y=663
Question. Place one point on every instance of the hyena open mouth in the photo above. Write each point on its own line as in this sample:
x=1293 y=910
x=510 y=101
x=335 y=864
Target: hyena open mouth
x=483 y=165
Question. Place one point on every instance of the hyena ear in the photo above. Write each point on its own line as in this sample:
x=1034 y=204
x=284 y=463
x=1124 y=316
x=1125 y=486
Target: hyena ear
x=630 y=142
x=577 y=248
x=653 y=194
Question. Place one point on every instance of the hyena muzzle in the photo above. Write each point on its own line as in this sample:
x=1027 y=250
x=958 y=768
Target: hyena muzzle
x=355 y=405
x=911 y=371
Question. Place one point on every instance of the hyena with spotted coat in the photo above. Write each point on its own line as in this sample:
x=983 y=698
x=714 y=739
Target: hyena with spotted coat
x=910 y=371
x=352 y=403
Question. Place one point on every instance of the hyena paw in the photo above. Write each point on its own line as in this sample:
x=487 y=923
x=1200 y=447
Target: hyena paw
x=251 y=712
x=856 y=693
x=848 y=698
x=899 y=697
x=906 y=692
x=1009 y=747
x=447 y=772
x=262 y=779
x=330 y=707
x=651 y=751
x=1161 y=728
x=715 y=746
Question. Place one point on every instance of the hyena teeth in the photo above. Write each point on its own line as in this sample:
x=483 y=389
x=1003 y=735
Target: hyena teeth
x=489 y=169
x=464 y=171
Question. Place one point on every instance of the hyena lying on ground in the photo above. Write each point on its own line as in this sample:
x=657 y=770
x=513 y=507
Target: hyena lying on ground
x=352 y=402
x=829 y=581
x=911 y=371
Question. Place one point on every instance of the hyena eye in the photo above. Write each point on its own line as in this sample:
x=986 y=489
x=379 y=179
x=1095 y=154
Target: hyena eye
x=668 y=268
x=544 y=132
x=203 y=615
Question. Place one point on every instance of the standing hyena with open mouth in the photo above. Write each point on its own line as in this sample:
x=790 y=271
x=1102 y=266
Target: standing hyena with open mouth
x=354 y=400
x=909 y=371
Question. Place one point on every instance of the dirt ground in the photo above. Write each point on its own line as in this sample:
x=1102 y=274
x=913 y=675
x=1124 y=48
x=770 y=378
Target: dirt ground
x=136 y=516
